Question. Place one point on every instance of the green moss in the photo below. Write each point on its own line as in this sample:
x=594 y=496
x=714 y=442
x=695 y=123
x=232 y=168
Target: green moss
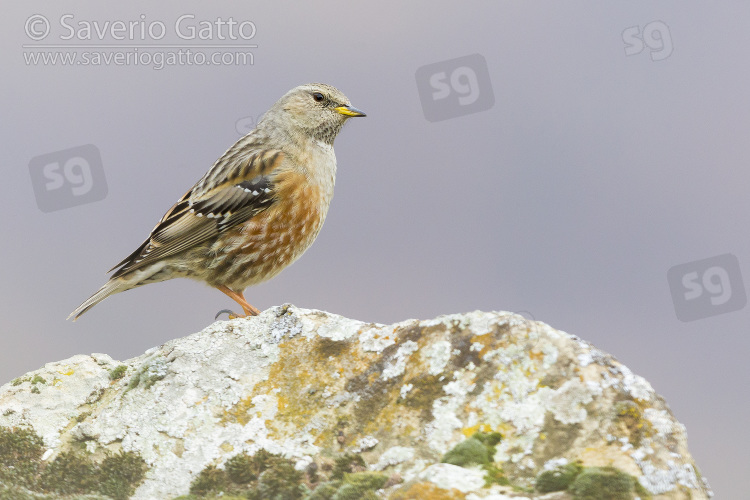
x=354 y=486
x=117 y=476
x=488 y=438
x=20 y=453
x=558 y=479
x=265 y=476
x=148 y=374
x=591 y=483
x=155 y=372
x=239 y=469
x=219 y=496
x=325 y=491
x=280 y=481
x=366 y=480
x=19 y=381
x=522 y=489
x=134 y=380
x=70 y=473
x=479 y=449
x=354 y=492
x=19 y=445
x=209 y=480
x=38 y=380
x=117 y=373
x=347 y=464
x=258 y=477
x=19 y=493
x=244 y=468
x=468 y=452
x=494 y=475
x=120 y=474
x=597 y=483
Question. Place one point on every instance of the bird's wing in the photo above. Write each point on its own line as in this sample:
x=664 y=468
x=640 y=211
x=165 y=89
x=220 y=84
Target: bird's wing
x=239 y=186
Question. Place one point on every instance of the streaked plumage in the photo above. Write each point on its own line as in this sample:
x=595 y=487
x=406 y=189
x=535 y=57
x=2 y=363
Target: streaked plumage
x=258 y=208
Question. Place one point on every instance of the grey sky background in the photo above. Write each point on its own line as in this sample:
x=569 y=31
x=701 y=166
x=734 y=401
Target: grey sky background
x=592 y=175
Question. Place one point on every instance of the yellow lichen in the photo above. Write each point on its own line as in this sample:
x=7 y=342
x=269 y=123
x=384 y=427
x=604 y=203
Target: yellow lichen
x=239 y=412
x=300 y=390
x=536 y=355
x=486 y=341
x=470 y=431
x=427 y=490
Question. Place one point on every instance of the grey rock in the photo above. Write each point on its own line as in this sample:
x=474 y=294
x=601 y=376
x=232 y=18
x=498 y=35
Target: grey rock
x=309 y=384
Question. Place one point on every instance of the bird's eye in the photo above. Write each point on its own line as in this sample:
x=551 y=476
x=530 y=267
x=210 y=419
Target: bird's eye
x=318 y=97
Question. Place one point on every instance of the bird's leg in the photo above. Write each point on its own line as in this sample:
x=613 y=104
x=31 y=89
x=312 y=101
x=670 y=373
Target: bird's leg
x=240 y=299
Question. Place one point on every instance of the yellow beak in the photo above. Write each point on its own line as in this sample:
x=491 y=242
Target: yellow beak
x=349 y=111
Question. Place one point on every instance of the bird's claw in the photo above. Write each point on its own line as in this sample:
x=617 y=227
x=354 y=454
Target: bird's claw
x=230 y=313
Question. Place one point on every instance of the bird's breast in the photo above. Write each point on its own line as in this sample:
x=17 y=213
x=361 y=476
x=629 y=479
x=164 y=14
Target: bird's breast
x=292 y=223
x=263 y=246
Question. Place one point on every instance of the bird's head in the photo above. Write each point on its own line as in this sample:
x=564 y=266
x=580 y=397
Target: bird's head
x=316 y=109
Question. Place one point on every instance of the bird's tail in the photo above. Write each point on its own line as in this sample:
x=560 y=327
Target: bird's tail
x=111 y=287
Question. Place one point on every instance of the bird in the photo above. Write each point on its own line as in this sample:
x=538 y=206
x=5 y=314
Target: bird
x=257 y=210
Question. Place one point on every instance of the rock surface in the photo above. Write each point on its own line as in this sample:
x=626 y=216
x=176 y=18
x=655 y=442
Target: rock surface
x=312 y=386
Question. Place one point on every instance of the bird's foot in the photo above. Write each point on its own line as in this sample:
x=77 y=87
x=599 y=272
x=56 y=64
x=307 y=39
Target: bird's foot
x=234 y=315
x=230 y=313
x=238 y=297
x=250 y=310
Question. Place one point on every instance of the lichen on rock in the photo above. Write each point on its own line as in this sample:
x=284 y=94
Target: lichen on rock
x=350 y=409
